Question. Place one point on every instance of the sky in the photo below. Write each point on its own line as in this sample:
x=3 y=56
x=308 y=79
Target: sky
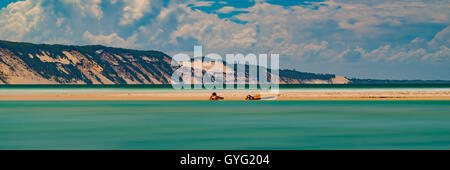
x=357 y=39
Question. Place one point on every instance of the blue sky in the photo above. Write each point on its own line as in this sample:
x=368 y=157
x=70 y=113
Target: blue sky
x=364 y=39
x=4 y=3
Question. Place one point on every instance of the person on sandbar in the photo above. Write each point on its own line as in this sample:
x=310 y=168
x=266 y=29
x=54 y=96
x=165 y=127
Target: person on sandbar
x=214 y=96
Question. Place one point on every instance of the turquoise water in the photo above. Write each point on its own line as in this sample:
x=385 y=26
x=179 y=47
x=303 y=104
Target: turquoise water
x=224 y=125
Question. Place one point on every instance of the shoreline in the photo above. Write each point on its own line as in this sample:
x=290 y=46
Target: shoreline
x=203 y=95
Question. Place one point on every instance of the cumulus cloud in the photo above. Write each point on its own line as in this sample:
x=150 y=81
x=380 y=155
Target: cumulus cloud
x=228 y=9
x=413 y=54
x=19 y=18
x=211 y=31
x=200 y=3
x=441 y=55
x=111 y=40
x=441 y=38
x=87 y=7
x=365 y=17
x=134 y=10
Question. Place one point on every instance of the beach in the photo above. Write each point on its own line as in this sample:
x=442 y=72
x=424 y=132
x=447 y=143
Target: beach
x=229 y=95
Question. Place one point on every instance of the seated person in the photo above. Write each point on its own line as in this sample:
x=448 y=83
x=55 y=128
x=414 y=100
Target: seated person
x=250 y=97
x=215 y=97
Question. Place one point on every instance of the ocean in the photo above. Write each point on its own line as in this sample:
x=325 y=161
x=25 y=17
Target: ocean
x=272 y=125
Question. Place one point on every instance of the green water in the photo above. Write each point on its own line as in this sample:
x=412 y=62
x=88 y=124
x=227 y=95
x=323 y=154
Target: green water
x=225 y=125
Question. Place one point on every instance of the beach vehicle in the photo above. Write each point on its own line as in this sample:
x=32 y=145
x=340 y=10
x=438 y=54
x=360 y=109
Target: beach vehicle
x=256 y=97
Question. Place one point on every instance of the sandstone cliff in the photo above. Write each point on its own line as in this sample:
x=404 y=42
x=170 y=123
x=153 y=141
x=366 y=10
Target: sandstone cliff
x=26 y=63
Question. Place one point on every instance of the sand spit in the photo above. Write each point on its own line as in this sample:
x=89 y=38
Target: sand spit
x=199 y=95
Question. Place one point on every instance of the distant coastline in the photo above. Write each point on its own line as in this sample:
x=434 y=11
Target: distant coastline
x=27 y=63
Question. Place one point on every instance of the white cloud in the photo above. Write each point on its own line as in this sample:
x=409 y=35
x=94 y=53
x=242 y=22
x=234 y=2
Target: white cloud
x=443 y=54
x=364 y=18
x=375 y=55
x=227 y=9
x=441 y=38
x=134 y=10
x=200 y=3
x=415 y=11
x=410 y=55
x=417 y=40
x=290 y=31
x=87 y=7
x=111 y=40
x=19 y=18
x=212 y=32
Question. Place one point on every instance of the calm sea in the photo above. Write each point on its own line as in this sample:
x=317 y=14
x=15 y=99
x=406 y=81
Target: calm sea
x=8 y=89
x=225 y=125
